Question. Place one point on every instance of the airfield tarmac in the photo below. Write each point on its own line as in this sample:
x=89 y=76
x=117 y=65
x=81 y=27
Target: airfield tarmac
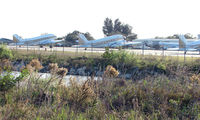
x=102 y=50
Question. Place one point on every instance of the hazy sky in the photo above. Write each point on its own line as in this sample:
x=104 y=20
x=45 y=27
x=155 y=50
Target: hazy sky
x=149 y=18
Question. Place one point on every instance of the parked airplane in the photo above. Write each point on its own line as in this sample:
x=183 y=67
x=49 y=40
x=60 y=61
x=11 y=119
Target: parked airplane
x=161 y=43
x=174 y=44
x=111 y=41
x=5 y=41
x=40 y=40
x=192 y=46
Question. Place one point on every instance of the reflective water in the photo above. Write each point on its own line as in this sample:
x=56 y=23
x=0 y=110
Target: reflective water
x=66 y=79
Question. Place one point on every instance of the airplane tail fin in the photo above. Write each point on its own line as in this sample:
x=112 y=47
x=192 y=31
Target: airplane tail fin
x=82 y=39
x=17 y=38
x=198 y=36
x=182 y=42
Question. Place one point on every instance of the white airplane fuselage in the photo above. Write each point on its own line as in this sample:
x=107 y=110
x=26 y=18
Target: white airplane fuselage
x=40 y=40
x=161 y=43
x=110 y=41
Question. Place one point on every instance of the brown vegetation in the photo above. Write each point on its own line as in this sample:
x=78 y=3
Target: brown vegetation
x=34 y=65
x=172 y=93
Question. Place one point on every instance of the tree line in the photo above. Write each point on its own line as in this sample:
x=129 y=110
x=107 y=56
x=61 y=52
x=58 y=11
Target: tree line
x=175 y=36
x=113 y=27
x=109 y=28
x=117 y=27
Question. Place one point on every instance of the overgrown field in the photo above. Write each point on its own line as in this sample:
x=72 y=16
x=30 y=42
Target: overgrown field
x=163 y=88
x=125 y=62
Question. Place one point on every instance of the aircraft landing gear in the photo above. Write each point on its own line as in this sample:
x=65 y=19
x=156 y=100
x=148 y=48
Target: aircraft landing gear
x=185 y=52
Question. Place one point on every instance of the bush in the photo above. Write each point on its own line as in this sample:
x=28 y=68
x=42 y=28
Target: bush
x=34 y=65
x=111 y=71
x=120 y=58
x=5 y=53
x=8 y=81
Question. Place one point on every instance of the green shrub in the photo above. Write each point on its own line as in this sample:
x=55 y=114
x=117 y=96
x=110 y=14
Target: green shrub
x=161 y=66
x=120 y=58
x=8 y=81
x=5 y=53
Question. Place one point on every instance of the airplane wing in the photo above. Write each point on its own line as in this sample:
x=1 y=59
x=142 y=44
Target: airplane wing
x=133 y=43
x=20 y=43
x=125 y=44
x=168 y=44
x=49 y=42
x=44 y=42
x=83 y=46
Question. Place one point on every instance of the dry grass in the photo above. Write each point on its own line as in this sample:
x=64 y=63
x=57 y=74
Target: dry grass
x=5 y=64
x=154 y=97
x=34 y=65
x=66 y=54
x=53 y=67
x=62 y=72
x=171 y=95
x=111 y=71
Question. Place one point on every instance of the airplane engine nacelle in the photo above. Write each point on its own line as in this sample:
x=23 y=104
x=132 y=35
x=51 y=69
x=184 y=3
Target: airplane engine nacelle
x=156 y=45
